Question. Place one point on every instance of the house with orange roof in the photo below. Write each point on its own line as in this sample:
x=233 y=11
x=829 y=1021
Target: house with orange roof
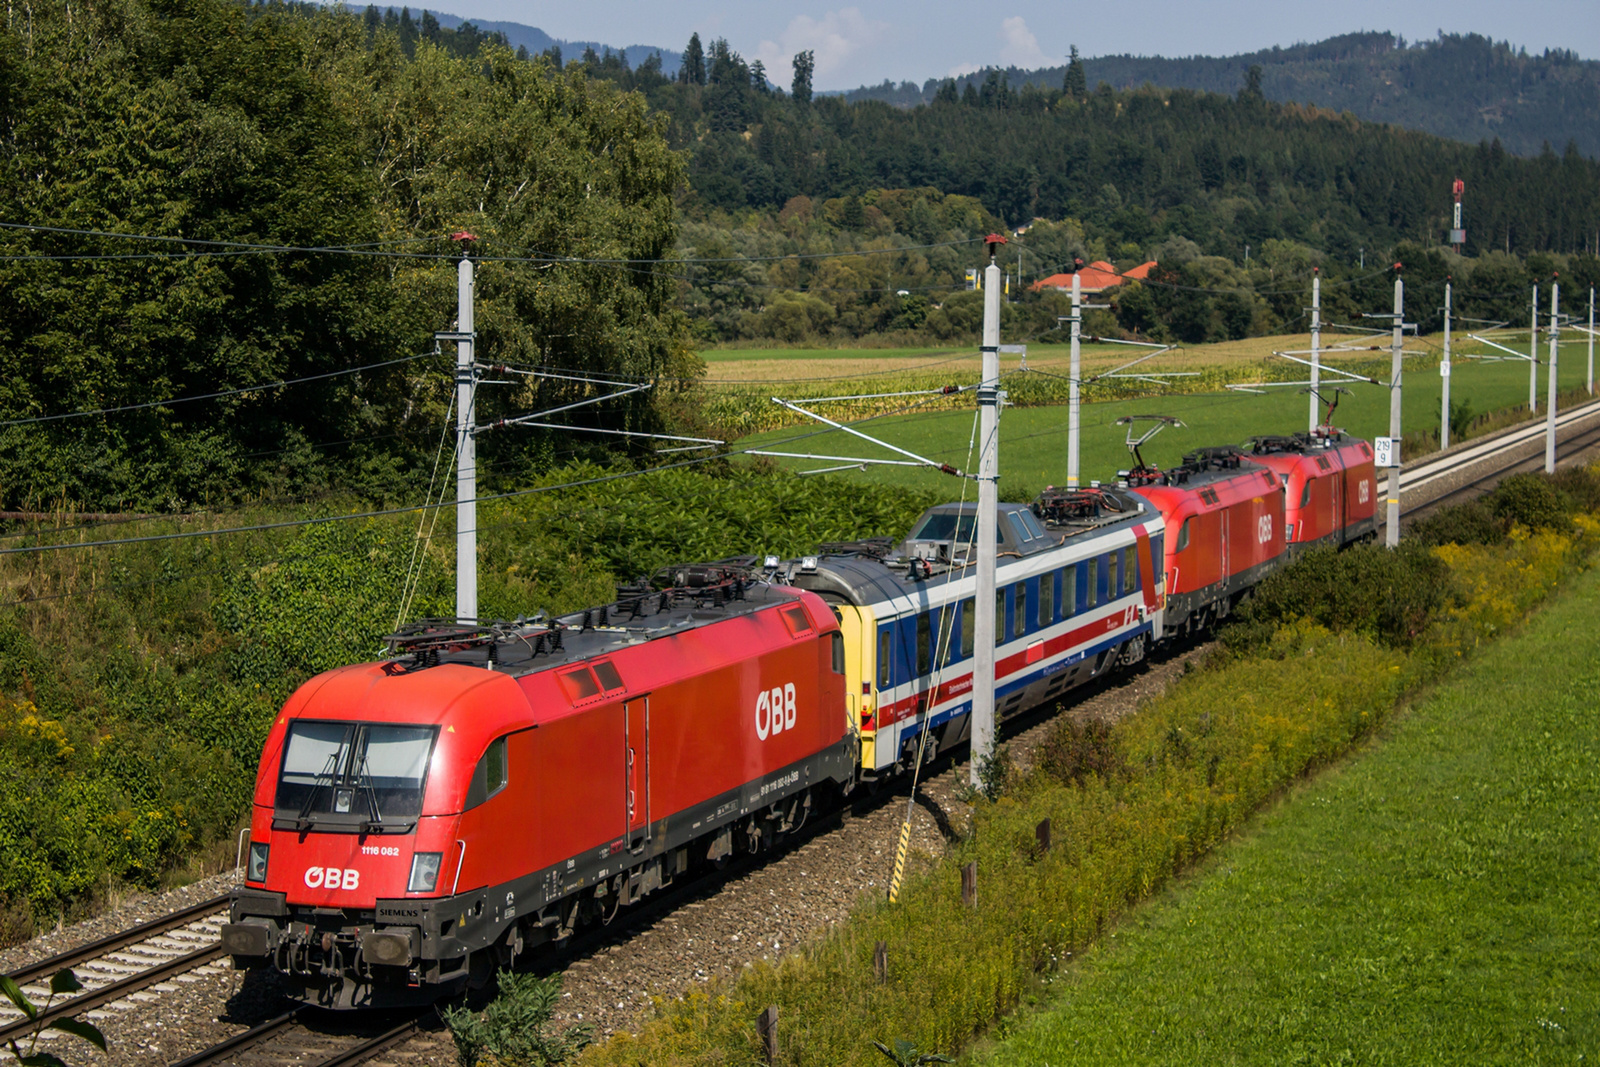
x=1097 y=277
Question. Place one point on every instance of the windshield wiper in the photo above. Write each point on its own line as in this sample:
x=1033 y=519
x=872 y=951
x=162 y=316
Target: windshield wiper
x=364 y=783
x=324 y=779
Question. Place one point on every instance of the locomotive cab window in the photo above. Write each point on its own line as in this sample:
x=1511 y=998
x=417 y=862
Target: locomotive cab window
x=1183 y=534
x=1305 y=494
x=490 y=775
x=794 y=616
x=837 y=644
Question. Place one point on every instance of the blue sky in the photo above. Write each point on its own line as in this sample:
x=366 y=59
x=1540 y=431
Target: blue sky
x=868 y=41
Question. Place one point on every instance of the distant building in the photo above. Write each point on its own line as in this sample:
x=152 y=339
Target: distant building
x=1097 y=277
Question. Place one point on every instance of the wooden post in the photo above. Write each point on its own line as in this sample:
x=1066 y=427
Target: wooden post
x=880 y=961
x=969 y=885
x=1042 y=832
x=767 y=1027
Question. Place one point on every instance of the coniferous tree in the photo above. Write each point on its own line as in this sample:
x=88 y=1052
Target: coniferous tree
x=804 y=64
x=693 y=71
x=1076 y=83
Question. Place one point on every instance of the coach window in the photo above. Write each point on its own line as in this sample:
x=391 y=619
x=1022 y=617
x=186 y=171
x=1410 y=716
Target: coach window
x=1047 y=599
x=1183 y=534
x=1069 y=591
x=885 y=658
x=1130 y=570
x=924 y=640
x=969 y=622
x=490 y=775
x=1091 y=582
x=1111 y=576
x=1000 y=615
x=1019 y=617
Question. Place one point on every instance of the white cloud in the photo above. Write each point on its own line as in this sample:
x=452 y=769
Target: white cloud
x=835 y=38
x=1019 y=47
x=961 y=70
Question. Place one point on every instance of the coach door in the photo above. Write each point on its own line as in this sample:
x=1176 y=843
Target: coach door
x=636 y=770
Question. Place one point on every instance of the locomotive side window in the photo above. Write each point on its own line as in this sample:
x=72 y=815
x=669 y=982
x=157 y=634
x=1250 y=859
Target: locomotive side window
x=1019 y=617
x=969 y=623
x=1130 y=570
x=489 y=776
x=1183 y=534
x=885 y=659
x=1047 y=599
x=606 y=671
x=838 y=651
x=580 y=684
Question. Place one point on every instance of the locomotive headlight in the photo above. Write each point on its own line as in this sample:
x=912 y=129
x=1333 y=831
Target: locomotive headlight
x=424 y=872
x=257 y=871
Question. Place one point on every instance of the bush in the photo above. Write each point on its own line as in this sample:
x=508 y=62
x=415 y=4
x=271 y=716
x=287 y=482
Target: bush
x=1387 y=595
x=1471 y=523
x=1532 y=500
x=1073 y=750
x=514 y=1028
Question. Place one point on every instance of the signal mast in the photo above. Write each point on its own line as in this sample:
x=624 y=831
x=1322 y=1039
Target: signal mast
x=1458 y=236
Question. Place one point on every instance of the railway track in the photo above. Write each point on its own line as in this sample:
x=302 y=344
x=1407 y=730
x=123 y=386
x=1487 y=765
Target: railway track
x=116 y=967
x=1497 y=458
x=308 y=1039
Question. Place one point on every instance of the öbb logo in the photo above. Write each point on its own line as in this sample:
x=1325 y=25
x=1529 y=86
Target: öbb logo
x=775 y=711
x=332 y=878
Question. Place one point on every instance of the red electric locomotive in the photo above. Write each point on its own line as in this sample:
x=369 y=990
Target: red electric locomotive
x=1224 y=523
x=418 y=821
x=1329 y=485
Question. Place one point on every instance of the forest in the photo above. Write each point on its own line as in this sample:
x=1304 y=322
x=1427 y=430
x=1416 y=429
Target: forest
x=1463 y=86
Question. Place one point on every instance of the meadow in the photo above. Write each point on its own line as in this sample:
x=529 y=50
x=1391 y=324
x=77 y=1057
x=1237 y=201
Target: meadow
x=1429 y=902
x=1033 y=427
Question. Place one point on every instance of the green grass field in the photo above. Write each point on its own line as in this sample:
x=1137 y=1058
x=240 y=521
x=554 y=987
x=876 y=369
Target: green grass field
x=1430 y=902
x=1033 y=440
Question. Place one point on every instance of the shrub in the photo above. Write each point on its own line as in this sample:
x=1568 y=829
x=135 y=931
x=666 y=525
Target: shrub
x=1073 y=750
x=1532 y=500
x=1471 y=523
x=515 y=1027
x=1388 y=595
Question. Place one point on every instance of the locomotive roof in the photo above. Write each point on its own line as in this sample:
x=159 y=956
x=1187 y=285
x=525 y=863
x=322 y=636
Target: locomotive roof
x=640 y=614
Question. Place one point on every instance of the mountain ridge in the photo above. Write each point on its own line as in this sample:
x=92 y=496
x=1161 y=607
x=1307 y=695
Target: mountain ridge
x=1465 y=87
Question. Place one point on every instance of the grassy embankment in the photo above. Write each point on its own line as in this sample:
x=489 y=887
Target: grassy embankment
x=1130 y=810
x=1033 y=446
x=1432 y=902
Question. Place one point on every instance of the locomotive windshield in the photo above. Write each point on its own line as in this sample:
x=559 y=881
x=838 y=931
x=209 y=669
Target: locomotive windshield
x=358 y=777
